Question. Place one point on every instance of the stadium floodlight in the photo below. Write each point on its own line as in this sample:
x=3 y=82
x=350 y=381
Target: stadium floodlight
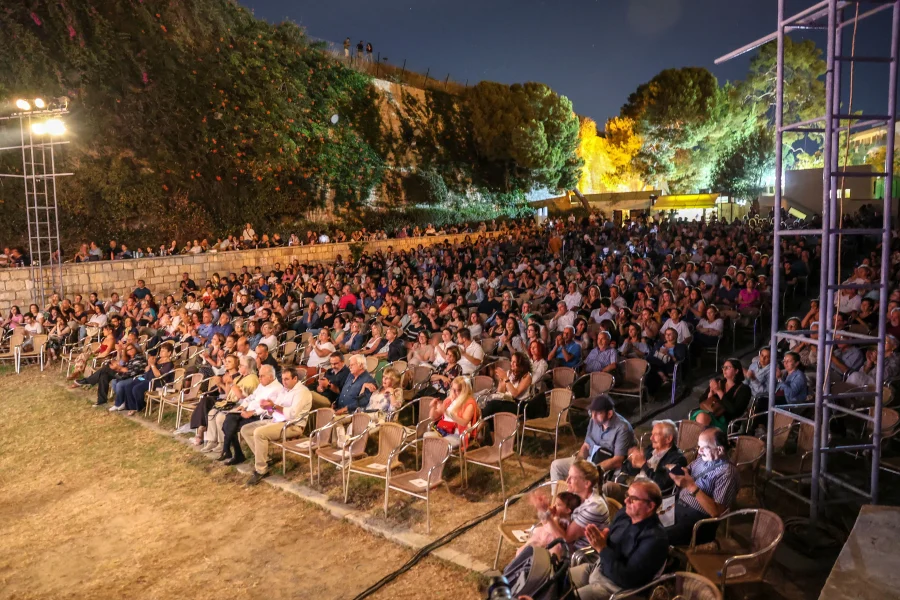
x=39 y=103
x=38 y=128
x=22 y=104
x=55 y=127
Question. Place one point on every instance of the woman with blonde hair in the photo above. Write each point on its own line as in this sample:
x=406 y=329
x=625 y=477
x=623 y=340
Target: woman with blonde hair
x=389 y=397
x=457 y=412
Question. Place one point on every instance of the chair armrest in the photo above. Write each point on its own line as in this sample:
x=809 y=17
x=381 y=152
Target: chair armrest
x=723 y=517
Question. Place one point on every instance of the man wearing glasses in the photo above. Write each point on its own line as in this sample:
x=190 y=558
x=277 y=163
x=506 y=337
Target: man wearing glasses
x=633 y=550
x=707 y=488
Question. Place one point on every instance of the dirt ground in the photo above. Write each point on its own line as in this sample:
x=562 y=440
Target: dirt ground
x=95 y=506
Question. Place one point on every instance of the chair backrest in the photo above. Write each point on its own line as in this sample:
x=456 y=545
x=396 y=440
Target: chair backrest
x=505 y=425
x=305 y=338
x=289 y=335
x=601 y=383
x=435 y=451
x=633 y=369
x=502 y=363
x=359 y=424
x=768 y=529
x=614 y=506
x=562 y=377
x=806 y=437
x=390 y=436
x=489 y=345
x=688 y=434
x=858 y=328
x=323 y=416
x=17 y=339
x=421 y=374
x=178 y=379
x=371 y=364
x=192 y=386
x=783 y=425
x=481 y=383
x=560 y=399
x=889 y=419
x=400 y=366
x=747 y=450
x=288 y=351
x=37 y=341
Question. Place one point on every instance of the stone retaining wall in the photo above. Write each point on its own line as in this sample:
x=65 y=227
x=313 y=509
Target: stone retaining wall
x=163 y=274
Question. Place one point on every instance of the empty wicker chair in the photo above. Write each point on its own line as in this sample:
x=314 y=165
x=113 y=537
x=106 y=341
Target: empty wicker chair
x=631 y=383
x=12 y=351
x=435 y=454
x=419 y=379
x=599 y=382
x=288 y=354
x=561 y=377
x=482 y=383
x=560 y=402
x=390 y=443
x=371 y=364
x=354 y=445
x=189 y=388
x=745 y=565
x=506 y=427
x=746 y=454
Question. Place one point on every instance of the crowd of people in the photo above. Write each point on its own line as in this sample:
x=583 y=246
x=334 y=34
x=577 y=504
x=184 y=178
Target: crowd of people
x=248 y=239
x=588 y=294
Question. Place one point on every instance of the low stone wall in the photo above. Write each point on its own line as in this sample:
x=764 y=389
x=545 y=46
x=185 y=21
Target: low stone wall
x=163 y=274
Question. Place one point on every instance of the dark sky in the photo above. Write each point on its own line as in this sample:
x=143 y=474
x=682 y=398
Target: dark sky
x=596 y=52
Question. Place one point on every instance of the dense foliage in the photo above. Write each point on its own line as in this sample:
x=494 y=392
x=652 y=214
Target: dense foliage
x=190 y=118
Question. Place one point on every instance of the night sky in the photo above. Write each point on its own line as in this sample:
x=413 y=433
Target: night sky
x=596 y=52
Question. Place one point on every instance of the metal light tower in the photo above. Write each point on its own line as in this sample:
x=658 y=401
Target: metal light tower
x=41 y=129
x=833 y=17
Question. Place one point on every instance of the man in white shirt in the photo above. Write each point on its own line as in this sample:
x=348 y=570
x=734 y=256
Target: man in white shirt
x=249 y=410
x=471 y=352
x=573 y=298
x=562 y=319
x=288 y=411
x=674 y=321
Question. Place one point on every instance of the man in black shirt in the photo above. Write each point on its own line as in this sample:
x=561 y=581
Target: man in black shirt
x=263 y=357
x=330 y=383
x=633 y=549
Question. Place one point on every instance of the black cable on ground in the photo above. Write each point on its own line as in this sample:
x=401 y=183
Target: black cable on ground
x=441 y=541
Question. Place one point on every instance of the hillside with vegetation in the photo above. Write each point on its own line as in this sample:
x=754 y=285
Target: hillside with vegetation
x=190 y=118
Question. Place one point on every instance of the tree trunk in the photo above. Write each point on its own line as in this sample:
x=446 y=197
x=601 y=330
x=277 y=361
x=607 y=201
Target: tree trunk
x=581 y=197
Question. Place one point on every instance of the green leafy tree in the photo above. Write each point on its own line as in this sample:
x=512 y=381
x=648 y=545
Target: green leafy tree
x=742 y=169
x=804 y=85
x=525 y=135
x=673 y=114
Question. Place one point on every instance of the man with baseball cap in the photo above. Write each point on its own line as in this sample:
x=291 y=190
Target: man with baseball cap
x=607 y=441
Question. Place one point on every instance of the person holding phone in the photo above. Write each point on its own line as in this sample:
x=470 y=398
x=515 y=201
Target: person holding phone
x=707 y=488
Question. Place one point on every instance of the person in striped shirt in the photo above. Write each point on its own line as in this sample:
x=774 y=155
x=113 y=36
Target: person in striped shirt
x=707 y=488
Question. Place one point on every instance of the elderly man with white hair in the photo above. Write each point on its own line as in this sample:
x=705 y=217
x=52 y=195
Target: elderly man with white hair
x=248 y=410
x=357 y=388
x=707 y=488
x=652 y=464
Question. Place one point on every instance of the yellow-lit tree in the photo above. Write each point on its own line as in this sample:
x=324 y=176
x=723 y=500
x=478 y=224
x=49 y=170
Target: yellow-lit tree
x=608 y=157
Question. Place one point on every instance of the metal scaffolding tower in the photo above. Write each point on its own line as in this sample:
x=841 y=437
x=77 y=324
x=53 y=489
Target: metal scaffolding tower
x=833 y=17
x=37 y=146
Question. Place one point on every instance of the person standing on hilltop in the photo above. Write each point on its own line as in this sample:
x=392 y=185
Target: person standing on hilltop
x=347 y=47
x=359 y=50
x=369 y=52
